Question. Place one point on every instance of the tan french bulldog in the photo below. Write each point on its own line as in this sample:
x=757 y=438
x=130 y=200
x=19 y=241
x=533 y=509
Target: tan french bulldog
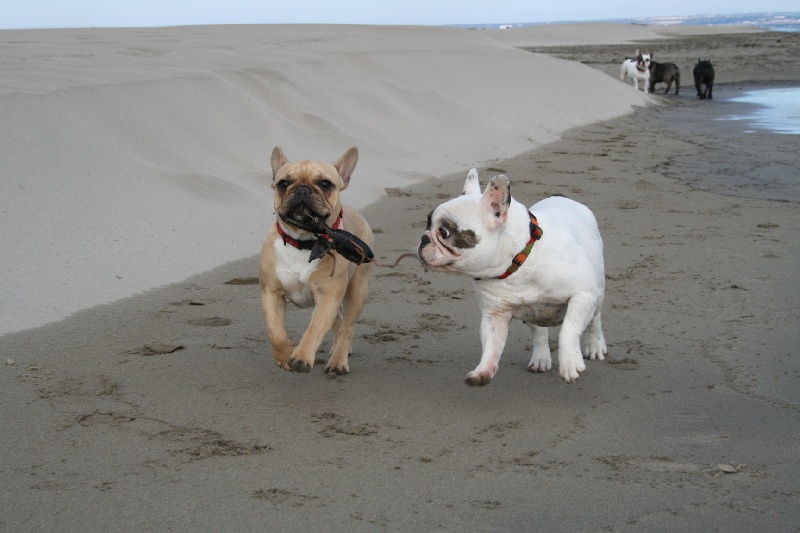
x=308 y=191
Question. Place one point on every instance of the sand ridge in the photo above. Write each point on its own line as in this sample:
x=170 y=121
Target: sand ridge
x=151 y=145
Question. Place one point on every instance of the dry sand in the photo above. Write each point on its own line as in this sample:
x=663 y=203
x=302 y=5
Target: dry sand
x=165 y=411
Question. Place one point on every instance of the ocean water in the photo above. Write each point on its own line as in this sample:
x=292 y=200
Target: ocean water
x=784 y=27
x=739 y=156
x=777 y=110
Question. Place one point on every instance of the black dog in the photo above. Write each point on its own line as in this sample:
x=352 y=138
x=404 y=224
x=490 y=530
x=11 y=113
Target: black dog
x=704 y=74
x=665 y=73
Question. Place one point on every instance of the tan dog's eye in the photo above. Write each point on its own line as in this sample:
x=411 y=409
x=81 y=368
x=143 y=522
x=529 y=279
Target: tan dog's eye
x=325 y=185
x=283 y=185
x=444 y=232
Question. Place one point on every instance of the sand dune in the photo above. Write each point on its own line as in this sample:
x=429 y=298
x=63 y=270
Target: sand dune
x=137 y=157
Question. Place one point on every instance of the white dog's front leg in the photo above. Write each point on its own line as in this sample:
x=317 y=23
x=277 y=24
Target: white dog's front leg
x=540 y=359
x=570 y=359
x=494 y=332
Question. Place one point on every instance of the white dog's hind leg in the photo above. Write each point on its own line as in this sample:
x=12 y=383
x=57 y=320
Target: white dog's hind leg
x=540 y=360
x=593 y=340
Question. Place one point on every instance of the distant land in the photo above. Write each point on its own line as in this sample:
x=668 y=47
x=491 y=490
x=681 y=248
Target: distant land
x=785 y=21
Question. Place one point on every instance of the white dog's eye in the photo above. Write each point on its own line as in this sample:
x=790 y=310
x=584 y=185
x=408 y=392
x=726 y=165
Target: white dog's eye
x=444 y=232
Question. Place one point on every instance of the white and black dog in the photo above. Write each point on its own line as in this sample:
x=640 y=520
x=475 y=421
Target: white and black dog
x=543 y=266
x=638 y=70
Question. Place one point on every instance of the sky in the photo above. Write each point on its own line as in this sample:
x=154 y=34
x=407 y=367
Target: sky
x=16 y=14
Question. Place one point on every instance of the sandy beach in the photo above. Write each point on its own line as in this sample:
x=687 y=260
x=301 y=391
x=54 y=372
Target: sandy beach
x=157 y=406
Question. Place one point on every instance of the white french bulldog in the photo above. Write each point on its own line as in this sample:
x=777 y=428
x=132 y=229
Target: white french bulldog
x=546 y=270
x=637 y=69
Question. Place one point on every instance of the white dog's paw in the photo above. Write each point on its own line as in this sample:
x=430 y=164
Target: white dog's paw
x=570 y=368
x=476 y=378
x=540 y=362
x=480 y=376
x=594 y=347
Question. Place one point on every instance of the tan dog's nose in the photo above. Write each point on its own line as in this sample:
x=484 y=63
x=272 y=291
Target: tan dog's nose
x=303 y=190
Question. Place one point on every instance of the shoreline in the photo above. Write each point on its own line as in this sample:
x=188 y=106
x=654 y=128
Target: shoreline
x=757 y=169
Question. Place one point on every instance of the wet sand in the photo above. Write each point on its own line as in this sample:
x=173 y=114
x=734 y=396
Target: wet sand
x=165 y=410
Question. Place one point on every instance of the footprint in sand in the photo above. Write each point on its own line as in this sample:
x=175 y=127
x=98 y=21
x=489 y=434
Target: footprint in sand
x=242 y=281
x=157 y=348
x=213 y=321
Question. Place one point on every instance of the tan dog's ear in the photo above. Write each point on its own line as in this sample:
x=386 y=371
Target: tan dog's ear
x=495 y=201
x=278 y=160
x=346 y=164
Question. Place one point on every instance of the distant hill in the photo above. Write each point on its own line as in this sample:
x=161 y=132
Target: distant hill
x=789 y=21
x=749 y=19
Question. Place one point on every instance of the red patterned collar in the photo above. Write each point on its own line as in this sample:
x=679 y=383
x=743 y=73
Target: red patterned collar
x=304 y=245
x=536 y=234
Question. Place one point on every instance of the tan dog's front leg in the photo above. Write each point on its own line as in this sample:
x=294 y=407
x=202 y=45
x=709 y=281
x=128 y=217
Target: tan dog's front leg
x=343 y=329
x=274 y=306
x=325 y=311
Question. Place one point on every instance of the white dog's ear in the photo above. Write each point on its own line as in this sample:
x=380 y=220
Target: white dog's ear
x=277 y=160
x=495 y=201
x=346 y=164
x=472 y=185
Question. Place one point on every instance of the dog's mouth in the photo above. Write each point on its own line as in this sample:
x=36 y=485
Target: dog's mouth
x=429 y=241
x=302 y=217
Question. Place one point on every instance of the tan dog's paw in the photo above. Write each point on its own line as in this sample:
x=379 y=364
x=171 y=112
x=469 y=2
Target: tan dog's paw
x=281 y=353
x=301 y=363
x=337 y=365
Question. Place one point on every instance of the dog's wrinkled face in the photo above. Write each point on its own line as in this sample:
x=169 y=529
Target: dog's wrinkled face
x=450 y=236
x=307 y=190
x=643 y=61
x=460 y=233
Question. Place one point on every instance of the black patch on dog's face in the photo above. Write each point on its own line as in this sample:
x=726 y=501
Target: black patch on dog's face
x=460 y=238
